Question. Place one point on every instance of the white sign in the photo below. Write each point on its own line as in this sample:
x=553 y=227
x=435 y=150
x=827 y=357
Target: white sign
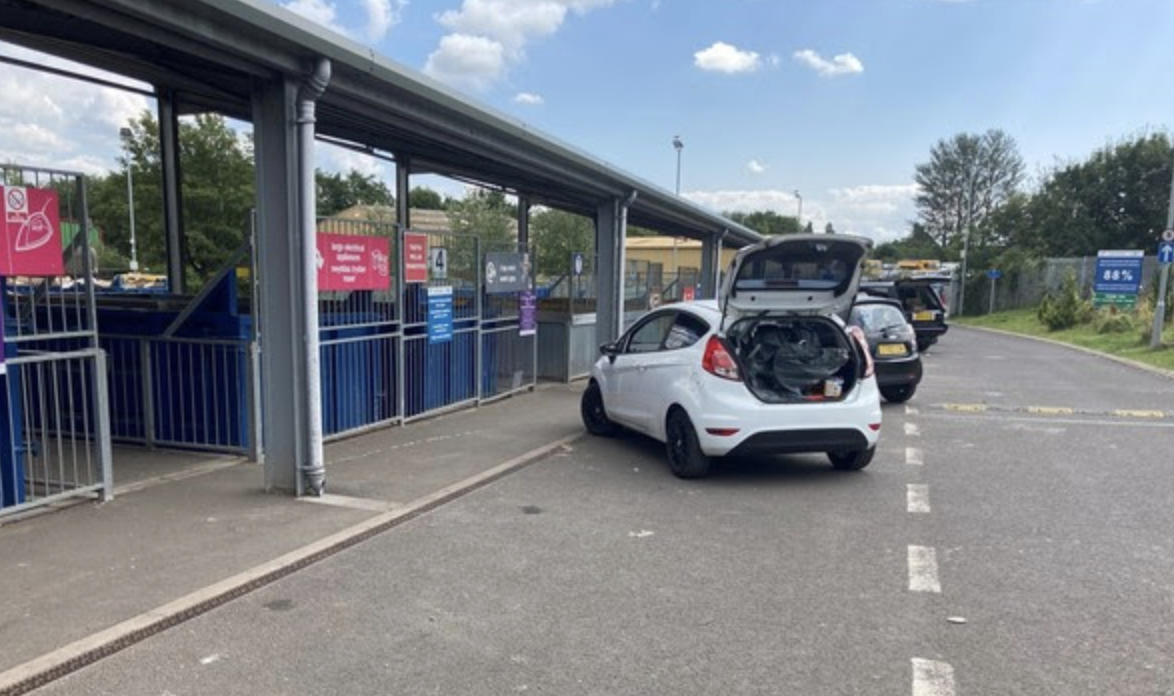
x=438 y=262
x=1168 y=235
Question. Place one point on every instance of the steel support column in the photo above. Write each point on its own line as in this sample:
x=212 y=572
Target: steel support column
x=175 y=241
x=611 y=229
x=524 y=223
x=711 y=249
x=403 y=191
x=280 y=320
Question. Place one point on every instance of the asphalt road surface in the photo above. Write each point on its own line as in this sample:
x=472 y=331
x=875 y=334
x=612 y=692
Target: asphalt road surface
x=1013 y=536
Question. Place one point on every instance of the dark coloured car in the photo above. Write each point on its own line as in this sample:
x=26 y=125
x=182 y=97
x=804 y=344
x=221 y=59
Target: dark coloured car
x=893 y=343
x=919 y=301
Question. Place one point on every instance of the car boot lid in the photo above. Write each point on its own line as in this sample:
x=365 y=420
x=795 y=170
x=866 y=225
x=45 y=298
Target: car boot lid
x=795 y=274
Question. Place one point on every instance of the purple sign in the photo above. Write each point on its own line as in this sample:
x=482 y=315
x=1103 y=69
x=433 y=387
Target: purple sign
x=527 y=313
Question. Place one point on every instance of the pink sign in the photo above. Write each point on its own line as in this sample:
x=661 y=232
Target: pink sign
x=353 y=262
x=687 y=293
x=32 y=232
x=415 y=257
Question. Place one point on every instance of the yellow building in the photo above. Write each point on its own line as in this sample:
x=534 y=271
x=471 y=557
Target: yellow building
x=670 y=252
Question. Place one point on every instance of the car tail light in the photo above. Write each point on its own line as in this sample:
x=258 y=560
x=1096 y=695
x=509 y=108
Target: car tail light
x=718 y=361
x=722 y=432
x=869 y=367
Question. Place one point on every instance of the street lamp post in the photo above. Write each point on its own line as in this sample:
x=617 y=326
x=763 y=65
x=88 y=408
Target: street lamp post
x=678 y=145
x=799 y=215
x=126 y=135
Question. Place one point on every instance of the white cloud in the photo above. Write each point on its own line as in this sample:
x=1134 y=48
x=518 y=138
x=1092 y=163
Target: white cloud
x=880 y=212
x=842 y=64
x=755 y=166
x=52 y=121
x=497 y=31
x=381 y=16
x=529 y=99
x=722 y=57
x=319 y=12
x=472 y=62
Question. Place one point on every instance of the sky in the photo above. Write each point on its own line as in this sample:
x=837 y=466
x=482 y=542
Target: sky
x=836 y=99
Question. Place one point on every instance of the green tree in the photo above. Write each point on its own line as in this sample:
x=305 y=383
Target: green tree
x=766 y=222
x=423 y=198
x=557 y=235
x=217 y=192
x=966 y=179
x=337 y=192
x=1116 y=199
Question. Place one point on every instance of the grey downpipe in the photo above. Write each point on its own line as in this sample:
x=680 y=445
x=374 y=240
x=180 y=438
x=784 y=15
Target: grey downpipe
x=622 y=258
x=313 y=478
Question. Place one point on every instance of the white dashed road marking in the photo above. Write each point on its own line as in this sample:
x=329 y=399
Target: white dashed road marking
x=911 y=410
x=912 y=430
x=932 y=678
x=917 y=497
x=923 y=570
x=913 y=456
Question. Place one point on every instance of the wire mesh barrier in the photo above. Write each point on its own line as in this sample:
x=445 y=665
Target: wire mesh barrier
x=55 y=438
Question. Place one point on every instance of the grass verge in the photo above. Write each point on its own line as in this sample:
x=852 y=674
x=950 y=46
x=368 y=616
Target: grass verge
x=1126 y=345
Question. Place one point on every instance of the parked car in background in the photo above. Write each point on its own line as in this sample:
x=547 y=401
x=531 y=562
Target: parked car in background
x=773 y=369
x=893 y=343
x=921 y=303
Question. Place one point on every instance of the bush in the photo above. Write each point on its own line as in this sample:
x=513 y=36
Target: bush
x=1107 y=321
x=1065 y=308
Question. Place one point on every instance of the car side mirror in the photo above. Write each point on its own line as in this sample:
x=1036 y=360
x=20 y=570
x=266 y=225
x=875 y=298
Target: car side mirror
x=611 y=350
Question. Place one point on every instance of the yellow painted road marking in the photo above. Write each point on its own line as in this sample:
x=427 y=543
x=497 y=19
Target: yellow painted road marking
x=1051 y=410
x=1138 y=413
x=966 y=408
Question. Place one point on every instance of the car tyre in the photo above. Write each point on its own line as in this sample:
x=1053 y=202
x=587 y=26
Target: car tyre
x=923 y=344
x=900 y=394
x=594 y=414
x=686 y=460
x=851 y=460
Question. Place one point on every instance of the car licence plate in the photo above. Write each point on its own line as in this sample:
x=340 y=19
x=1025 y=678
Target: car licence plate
x=891 y=349
x=923 y=316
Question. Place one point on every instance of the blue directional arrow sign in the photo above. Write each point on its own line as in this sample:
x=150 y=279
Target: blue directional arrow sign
x=1166 y=253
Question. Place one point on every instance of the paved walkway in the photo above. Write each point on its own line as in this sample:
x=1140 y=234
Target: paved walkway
x=92 y=575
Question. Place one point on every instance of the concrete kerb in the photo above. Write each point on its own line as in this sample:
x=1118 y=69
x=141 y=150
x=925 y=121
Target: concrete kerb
x=70 y=658
x=1168 y=374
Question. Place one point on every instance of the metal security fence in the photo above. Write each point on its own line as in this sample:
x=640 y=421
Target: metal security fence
x=54 y=432
x=359 y=328
x=509 y=358
x=442 y=328
x=54 y=426
x=184 y=393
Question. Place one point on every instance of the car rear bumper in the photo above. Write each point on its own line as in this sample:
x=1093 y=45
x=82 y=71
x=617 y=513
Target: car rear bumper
x=780 y=428
x=895 y=373
x=784 y=441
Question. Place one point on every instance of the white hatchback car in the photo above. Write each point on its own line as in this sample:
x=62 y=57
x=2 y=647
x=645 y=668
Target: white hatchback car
x=771 y=369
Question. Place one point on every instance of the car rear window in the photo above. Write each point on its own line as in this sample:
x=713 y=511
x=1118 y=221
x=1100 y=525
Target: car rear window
x=874 y=317
x=812 y=267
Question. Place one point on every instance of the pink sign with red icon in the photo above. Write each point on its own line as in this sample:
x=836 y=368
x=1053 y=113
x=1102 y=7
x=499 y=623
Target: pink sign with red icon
x=353 y=262
x=32 y=232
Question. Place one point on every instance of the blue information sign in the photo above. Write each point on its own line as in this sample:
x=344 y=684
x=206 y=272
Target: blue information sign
x=440 y=314
x=1118 y=277
x=994 y=274
x=1166 y=253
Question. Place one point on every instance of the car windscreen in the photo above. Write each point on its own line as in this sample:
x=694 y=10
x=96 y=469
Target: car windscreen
x=918 y=296
x=875 y=317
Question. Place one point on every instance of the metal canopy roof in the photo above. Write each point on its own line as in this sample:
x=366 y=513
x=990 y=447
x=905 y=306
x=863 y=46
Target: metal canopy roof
x=209 y=52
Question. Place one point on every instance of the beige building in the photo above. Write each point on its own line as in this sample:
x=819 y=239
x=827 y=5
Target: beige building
x=670 y=252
